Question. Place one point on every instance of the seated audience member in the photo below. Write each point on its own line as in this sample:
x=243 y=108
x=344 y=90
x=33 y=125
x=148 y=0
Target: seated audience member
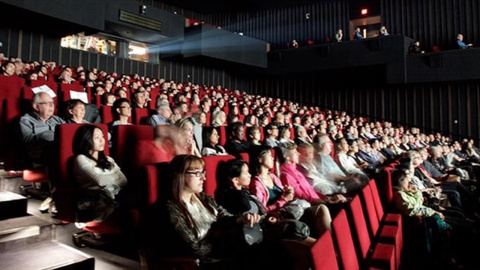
x=139 y=100
x=191 y=222
x=461 y=44
x=327 y=166
x=364 y=154
x=294 y=44
x=37 y=129
x=410 y=202
x=211 y=146
x=163 y=115
x=339 y=35
x=185 y=126
x=284 y=134
x=236 y=144
x=301 y=135
x=254 y=135
x=415 y=48
x=345 y=162
x=163 y=148
x=458 y=195
x=376 y=150
x=233 y=194
x=122 y=111
x=75 y=111
x=8 y=68
x=271 y=135
x=383 y=31
x=268 y=188
x=319 y=182
x=108 y=99
x=438 y=168
x=199 y=119
x=357 y=34
x=98 y=175
x=219 y=118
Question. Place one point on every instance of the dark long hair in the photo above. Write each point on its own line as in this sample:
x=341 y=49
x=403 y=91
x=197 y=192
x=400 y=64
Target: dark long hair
x=83 y=144
x=255 y=156
x=206 y=133
x=176 y=182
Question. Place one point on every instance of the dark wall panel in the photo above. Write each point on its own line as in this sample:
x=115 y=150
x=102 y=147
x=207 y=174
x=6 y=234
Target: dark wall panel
x=281 y=25
x=433 y=22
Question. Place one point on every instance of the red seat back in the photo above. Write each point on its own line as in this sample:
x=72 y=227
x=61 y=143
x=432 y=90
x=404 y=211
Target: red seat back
x=106 y=114
x=211 y=168
x=10 y=86
x=140 y=115
x=124 y=139
x=323 y=253
x=359 y=227
x=222 y=132
x=343 y=238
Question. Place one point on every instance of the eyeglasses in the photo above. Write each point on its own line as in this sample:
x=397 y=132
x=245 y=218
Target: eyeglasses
x=49 y=103
x=197 y=173
x=125 y=107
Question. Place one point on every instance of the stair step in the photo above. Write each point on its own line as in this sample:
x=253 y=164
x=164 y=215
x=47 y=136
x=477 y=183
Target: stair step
x=24 y=231
x=12 y=205
x=46 y=255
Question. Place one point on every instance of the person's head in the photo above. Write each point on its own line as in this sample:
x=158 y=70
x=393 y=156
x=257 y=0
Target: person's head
x=219 y=118
x=76 y=109
x=435 y=151
x=253 y=134
x=289 y=153
x=188 y=176
x=43 y=105
x=108 y=98
x=200 y=117
x=341 y=145
x=460 y=36
x=415 y=157
x=210 y=136
x=121 y=108
x=401 y=179
x=89 y=140
x=8 y=68
x=238 y=173
x=237 y=131
x=272 y=130
x=163 y=109
x=186 y=126
x=306 y=152
x=261 y=157
x=322 y=143
x=139 y=98
x=284 y=133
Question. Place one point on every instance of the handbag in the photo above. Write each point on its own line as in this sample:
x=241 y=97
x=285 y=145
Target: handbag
x=294 y=209
x=287 y=229
x=252 y=235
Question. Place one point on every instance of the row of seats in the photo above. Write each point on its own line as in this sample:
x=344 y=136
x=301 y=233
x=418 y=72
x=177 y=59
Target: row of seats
x=362 y=235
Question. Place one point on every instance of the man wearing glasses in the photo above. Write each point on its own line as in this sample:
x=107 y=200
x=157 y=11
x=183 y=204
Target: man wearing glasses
x=37 y=128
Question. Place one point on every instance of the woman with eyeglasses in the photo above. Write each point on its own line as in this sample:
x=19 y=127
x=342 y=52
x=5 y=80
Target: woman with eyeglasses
x=195 y=225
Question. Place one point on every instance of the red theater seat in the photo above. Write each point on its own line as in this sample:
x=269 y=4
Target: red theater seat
x=323 y=253
x=378 y=255
x=212 y=164
x=124 y=140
